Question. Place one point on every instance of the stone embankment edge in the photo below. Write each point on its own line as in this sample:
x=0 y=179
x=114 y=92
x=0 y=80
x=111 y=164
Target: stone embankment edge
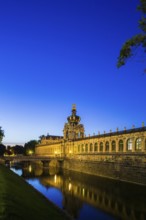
x=134 y=173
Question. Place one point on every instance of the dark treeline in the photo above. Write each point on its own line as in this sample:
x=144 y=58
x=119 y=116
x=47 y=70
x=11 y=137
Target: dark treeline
x=27 y=149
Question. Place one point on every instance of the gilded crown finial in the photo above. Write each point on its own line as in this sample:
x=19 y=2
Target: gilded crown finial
x=73 y=106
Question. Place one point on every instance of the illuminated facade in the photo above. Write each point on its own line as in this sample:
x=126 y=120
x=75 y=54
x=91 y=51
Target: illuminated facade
x=73 y=129
x=74 y=143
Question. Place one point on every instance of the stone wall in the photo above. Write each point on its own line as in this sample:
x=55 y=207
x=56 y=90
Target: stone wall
x=126 y=170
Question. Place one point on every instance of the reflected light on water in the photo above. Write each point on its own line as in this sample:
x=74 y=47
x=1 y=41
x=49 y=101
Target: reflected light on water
x=83 y=192
x=69 y=186
x=30 y=168
x=55 y=178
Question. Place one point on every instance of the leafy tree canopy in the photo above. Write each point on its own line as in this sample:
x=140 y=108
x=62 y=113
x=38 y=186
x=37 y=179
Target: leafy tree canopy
x=2 y=149
x=29 y=147
x=138 y=40
x=1 y=134
x=18 y=149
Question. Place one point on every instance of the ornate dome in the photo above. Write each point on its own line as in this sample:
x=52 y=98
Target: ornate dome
x=73 y=119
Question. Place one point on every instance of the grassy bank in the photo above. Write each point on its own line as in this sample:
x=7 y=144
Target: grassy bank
x=18 y=200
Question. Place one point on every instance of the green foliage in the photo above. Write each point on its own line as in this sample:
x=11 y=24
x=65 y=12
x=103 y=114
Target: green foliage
x=2 y=149
x=14 y=150
x=139 y=40
x=29 y=147
x=9 y=151
x=142 y=6
x=1 y=134
x=18 y=149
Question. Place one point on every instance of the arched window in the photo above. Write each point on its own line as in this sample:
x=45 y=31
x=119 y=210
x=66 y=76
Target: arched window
x=91 y=147
x=78 y=148
x=129 y=144
x=120 y=145
x=101 y=146
x=138 y=144
x=82 y=147
x=113 y=146
x=86 y=148
x=95 y=147
x=107 y=146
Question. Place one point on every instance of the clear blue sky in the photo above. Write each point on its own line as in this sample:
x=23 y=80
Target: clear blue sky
x=54 y=53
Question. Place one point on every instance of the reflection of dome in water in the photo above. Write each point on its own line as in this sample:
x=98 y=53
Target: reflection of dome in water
x=38 y=171
x=53 y=170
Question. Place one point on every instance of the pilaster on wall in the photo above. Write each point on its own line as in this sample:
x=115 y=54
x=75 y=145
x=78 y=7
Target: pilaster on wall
x=124 y=145
x=103 y=146
x=133 y=144
x=117 y=145
x=110 y=146
x=143 y=144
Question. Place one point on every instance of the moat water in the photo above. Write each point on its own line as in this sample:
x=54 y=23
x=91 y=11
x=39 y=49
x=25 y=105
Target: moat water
x=87 y=197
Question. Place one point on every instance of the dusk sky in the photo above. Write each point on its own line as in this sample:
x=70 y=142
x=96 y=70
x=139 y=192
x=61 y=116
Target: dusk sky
x=54 y=53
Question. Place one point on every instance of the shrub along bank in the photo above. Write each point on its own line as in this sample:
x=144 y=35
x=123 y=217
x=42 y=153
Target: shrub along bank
x=18 y=200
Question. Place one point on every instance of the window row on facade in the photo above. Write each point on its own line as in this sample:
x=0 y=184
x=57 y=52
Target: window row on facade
x=137 y=145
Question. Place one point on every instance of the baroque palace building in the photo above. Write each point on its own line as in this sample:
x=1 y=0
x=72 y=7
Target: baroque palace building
x=106 y=146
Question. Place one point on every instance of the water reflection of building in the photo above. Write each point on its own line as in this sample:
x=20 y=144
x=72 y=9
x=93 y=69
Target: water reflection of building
x=107 y=195
x=119 y=155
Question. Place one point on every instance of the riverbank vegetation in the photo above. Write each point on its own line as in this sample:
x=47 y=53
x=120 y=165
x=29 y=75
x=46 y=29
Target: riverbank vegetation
x=18 y=200
x=27 y=150
x=1 y=134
